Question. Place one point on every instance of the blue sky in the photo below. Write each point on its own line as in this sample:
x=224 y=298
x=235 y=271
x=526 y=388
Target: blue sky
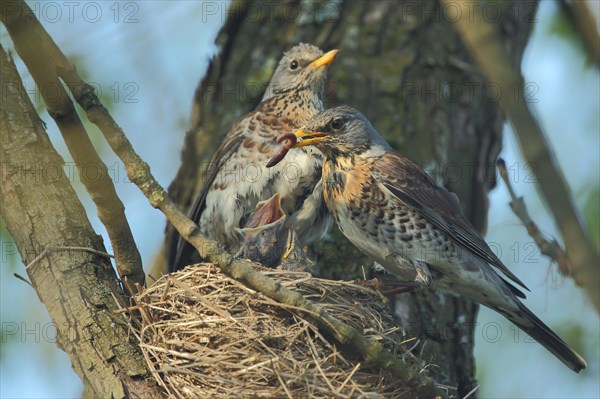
x=147 y=58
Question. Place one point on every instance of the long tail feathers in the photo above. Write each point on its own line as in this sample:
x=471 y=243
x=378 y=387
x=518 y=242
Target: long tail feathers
x=532 y=325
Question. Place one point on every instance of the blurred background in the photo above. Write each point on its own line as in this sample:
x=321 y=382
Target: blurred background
x=146 y=58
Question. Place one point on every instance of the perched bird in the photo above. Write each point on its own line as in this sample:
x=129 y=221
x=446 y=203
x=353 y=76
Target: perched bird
x=394 y=212
x=238 y=179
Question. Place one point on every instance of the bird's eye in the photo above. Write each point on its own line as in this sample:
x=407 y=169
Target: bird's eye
x=336 y=124
x=294 y=65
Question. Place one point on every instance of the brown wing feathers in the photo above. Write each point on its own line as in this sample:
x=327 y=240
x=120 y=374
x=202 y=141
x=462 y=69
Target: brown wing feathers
x=415 y=188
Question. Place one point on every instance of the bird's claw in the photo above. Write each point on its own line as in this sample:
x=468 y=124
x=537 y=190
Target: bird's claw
x=373 y=283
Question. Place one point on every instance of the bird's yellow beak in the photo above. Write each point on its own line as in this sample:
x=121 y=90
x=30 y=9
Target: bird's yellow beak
x=325 y=59
x=309 y=138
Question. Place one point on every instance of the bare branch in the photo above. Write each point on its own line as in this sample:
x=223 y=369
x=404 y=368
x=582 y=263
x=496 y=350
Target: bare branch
x=583 y=21
x=47 y=251
x=77 y=287
x=550 y=248
x=243 y=271
x=139 y=172
x=483 y=40
x=26 y=33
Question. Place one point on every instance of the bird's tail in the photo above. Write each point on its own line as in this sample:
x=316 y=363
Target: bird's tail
x=532 y=325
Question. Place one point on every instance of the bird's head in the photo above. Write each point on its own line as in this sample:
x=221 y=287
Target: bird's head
x=341 y=130
x=268 y=237
x=303 y=66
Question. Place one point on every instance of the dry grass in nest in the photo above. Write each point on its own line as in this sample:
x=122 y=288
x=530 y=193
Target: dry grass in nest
x=206 y=335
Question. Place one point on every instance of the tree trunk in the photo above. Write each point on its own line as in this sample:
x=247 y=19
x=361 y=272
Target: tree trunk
x=79 y=289
x=403 y=65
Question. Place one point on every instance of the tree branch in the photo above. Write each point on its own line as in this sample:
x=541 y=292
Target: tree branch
x=482 y=39
x=580 y=15
x=42 y=212
x=139 y=173
x=551 y=249
x=25 y=30
x=397 y=60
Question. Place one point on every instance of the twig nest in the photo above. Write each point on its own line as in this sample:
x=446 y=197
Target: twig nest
x=206 y=335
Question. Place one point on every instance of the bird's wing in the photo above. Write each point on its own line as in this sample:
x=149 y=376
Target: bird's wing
x=232 y=141
x=411 y=185
x=229 y=146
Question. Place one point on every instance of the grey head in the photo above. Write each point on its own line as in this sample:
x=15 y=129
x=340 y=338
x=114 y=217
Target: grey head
x=342 y=130
x=266 y=244
x=303 y=66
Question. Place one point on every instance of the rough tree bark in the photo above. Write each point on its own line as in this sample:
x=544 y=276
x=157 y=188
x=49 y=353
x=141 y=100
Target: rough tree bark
x=79 y=289
x=405 y=67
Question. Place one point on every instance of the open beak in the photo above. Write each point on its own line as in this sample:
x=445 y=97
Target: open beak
x=266 y=212
x=325 y=59
x=309 y=138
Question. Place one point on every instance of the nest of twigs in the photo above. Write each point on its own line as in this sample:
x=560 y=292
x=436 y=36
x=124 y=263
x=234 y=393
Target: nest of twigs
x=206 y=335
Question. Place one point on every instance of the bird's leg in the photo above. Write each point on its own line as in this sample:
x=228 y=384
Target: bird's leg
x=423 y=279
x=403 y=287
x=399 y=287
x=373 y=283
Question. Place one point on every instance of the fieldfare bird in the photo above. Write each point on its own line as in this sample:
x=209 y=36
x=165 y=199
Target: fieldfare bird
x=394 y=212
x=238 y=179
x=269 y=240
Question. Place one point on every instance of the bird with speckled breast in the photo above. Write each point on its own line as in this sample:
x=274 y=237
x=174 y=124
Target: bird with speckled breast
x=394 y=212
x=238 y=179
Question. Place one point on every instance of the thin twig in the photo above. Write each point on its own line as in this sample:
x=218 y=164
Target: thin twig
x=23 y=279
x=48 y=251
x=166 y=290
x=256 y=365
x=350 y=375
x=485 y=43
x=471 y=392
x=550 y=248
x=283 y=385
x=139 y=173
